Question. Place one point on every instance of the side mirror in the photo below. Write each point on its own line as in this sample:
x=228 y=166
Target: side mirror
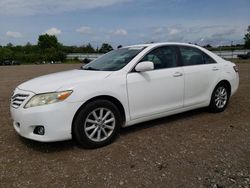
x=144 y=66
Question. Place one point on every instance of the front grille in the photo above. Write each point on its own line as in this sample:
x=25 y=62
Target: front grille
x=18 y=99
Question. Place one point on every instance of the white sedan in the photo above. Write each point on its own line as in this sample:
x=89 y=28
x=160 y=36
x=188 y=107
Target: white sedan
x=123 y=87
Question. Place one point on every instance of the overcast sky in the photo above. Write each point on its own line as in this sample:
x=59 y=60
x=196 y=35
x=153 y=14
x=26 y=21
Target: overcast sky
x=77 y=22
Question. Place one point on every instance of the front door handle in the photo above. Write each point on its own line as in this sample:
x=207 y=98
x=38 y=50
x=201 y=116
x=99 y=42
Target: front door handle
x=215 y=69
x=177 y=74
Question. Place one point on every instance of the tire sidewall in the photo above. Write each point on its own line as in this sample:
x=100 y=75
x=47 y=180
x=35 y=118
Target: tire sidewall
x=212 y=106
x=78 y=127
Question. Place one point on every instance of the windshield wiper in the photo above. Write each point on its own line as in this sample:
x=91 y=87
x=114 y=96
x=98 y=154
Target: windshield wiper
x=89 y=68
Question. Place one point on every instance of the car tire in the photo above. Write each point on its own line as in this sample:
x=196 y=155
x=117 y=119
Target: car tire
x=219 y=98
x=97 y=124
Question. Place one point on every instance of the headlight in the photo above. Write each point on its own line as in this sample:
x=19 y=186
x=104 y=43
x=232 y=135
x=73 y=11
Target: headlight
x=47 y=98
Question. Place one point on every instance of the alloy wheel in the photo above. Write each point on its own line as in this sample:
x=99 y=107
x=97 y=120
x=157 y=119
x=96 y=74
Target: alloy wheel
x=99 y=124
x=221 y=97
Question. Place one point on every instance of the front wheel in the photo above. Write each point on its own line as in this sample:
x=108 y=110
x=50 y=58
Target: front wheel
x=219 y=99
x=97 y=124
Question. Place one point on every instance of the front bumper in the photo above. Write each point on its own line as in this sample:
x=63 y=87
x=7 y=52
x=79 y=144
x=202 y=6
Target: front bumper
x=56 y=118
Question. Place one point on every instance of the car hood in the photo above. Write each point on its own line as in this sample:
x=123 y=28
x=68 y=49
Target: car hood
x=53 y=82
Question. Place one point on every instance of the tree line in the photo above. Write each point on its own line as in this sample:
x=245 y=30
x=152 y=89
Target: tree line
x=48 y=48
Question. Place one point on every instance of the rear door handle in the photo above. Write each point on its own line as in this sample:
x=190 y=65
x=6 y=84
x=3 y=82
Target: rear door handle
x=215 y=69
x=177 y=74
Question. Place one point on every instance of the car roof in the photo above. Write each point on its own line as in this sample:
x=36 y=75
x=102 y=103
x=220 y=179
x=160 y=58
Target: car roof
x=154 y=45
x=161 y=44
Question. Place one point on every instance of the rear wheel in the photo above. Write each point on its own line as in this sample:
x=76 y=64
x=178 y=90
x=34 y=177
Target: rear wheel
x=220 y=98
x=97 y=124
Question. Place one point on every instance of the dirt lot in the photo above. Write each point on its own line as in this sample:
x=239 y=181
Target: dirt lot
x=193 y=149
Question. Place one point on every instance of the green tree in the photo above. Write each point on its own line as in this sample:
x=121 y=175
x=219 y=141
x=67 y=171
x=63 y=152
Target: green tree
x=10 y=45
x=59 y=56
x=51 y=49
x=247 y=38
x=6 y=54
x=89 y=48
x=208 y=46
x=29 y=48
x=47 y=41
x=105 y=48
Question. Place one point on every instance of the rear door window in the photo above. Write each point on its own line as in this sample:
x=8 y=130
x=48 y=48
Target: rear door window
x=194 y=56
x=208 y=59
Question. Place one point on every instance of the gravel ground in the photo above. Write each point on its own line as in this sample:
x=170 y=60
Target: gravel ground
x=192 y=149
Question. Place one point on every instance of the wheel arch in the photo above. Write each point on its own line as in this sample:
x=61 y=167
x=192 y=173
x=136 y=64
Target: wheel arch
x=112 y=99
x=227 y=83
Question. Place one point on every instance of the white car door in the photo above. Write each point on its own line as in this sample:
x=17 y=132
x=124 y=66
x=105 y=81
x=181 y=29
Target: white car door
x=201 y=74
x=159 y=90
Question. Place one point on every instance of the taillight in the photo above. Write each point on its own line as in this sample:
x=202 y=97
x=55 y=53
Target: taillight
x=236 y=69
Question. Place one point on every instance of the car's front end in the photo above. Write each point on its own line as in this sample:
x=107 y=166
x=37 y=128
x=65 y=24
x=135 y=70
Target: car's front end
x=42 y=119
x=43 y=108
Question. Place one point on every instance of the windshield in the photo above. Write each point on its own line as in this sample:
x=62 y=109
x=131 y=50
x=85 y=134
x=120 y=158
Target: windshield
x=114 y=60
